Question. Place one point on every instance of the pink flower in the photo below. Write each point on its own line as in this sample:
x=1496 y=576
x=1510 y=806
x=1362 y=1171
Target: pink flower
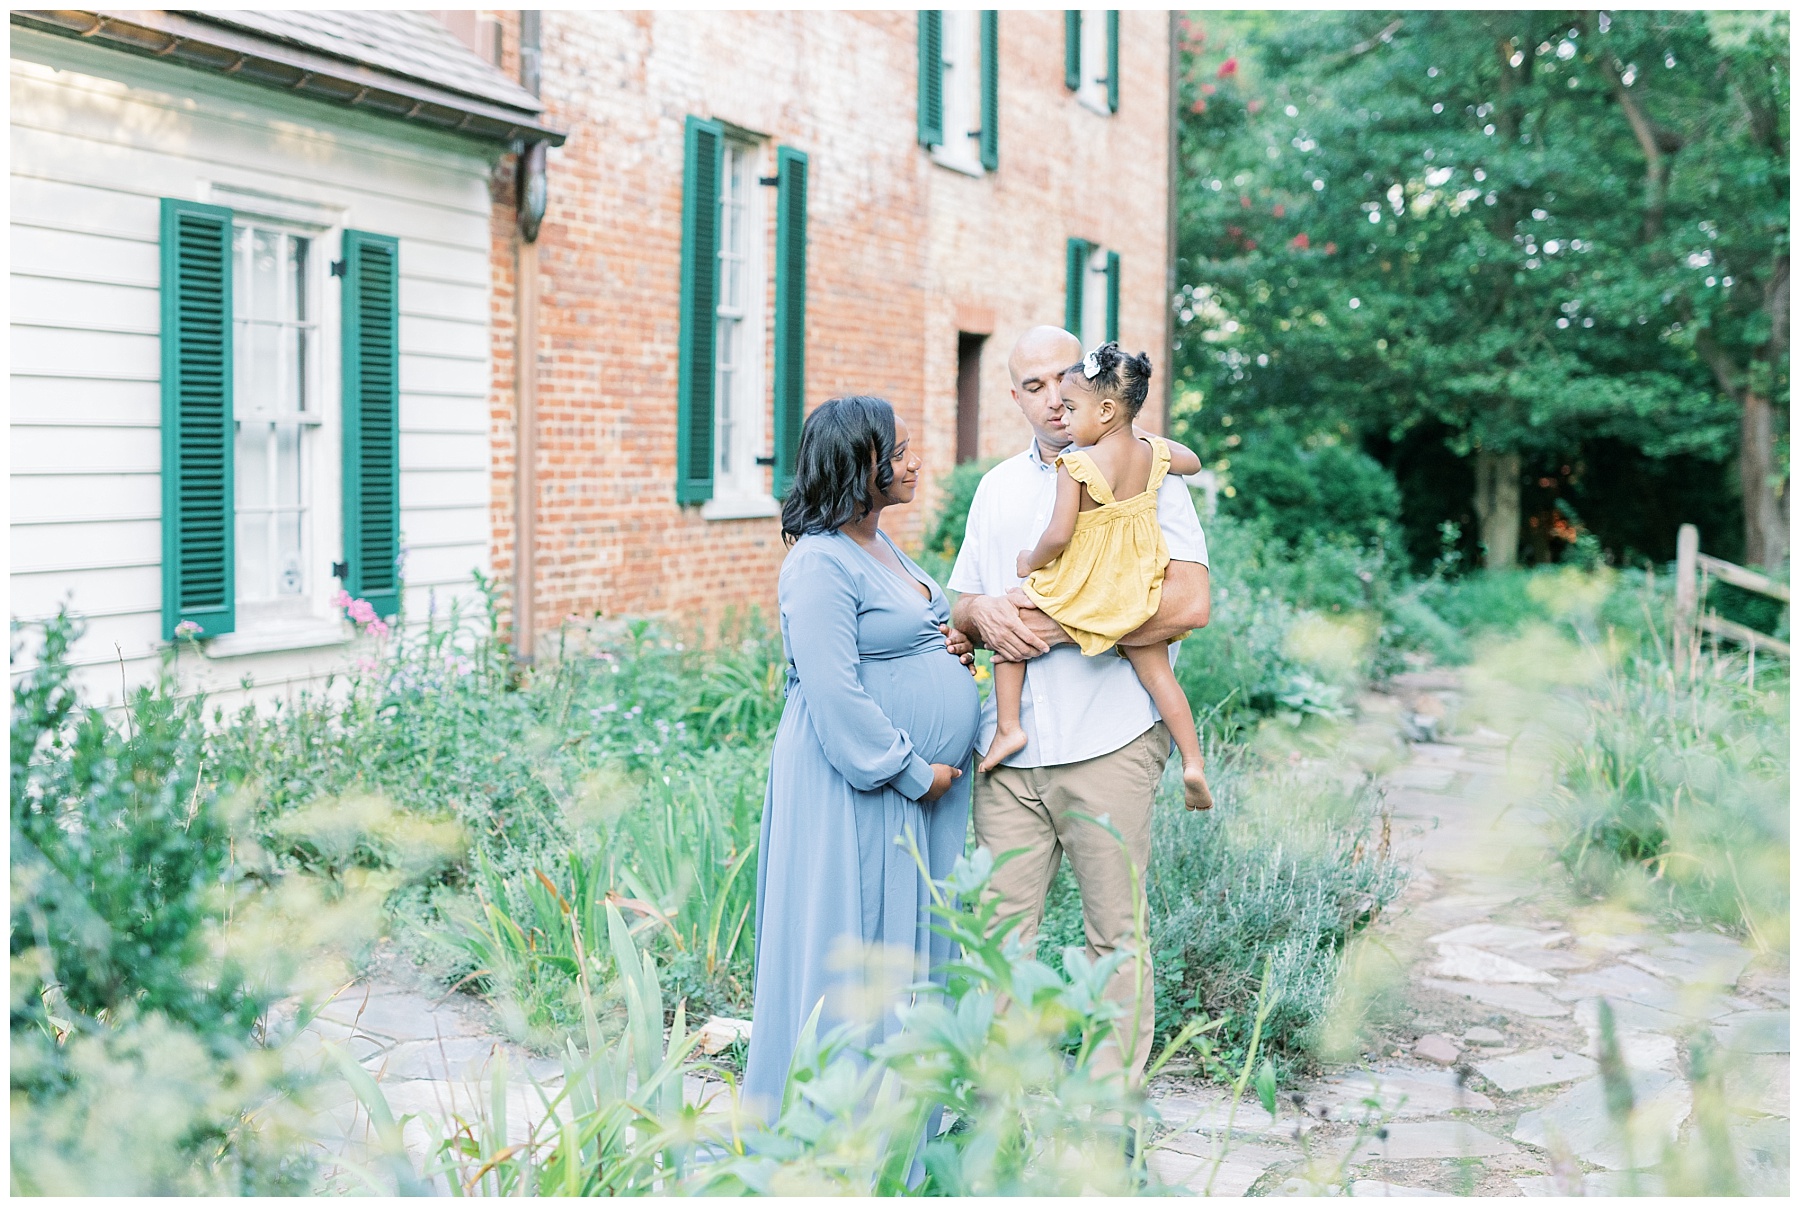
x=379 y=628
x=1300 y=241
x=188 y=628
x=1208 y=89
x=1280 y=210
x=341 y=599
x=366 y=665
x=1228 y=67
x=1331 y=249
x=1200 y=104
x=1254 y=106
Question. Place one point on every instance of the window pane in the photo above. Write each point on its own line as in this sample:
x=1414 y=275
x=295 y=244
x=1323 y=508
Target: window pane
x=252 y=468
x=289 y=482
x=297 y=301
x=265 y=274
x=265 y=368
x=291 y=560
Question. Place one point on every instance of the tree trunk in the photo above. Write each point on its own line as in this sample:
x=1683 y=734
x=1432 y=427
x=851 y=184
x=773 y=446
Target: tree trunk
x=1765 y=501
x=1497 y=507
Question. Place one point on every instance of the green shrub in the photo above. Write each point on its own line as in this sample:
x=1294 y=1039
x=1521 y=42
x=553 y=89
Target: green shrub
x=133 y=1068
x=1286 y=867
x=1305 y=491
x=945 y=536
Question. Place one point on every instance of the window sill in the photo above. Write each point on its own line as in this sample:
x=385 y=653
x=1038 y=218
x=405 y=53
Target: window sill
x=968 y=167
x=299 y=635
x=750 y=507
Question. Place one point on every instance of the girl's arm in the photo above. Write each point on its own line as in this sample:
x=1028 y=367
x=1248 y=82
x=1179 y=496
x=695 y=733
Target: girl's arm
x=1061 y=528
x=1182 y=460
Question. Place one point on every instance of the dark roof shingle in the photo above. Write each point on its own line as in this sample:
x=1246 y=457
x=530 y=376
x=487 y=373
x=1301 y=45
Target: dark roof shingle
x=411 y=44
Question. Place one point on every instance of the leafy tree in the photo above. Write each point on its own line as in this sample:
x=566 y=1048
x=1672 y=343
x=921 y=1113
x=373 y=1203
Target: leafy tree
x=1396 y=221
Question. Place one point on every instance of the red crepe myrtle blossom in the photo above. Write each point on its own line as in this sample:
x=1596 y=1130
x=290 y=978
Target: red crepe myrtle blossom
x=1331 y=249
x=1300 y=241
x=1208 y=89
x=1280 y=210
x=1200 y=105
x=1228 y=67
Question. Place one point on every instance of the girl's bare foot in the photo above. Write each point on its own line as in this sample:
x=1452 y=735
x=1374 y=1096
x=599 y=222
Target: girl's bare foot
x=1193 y=783
x=1006 y=743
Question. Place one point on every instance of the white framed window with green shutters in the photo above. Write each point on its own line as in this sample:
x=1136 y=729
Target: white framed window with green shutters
x=1091 y=310
x=1091 y=57
x=740 y=387
x=959 y=88
x=730 y=459
x=280 y=424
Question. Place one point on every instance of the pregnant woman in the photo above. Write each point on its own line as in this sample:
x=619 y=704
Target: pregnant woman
x=876 y=736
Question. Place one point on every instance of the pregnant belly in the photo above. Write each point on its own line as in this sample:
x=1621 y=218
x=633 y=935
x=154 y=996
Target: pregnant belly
x=932 y=698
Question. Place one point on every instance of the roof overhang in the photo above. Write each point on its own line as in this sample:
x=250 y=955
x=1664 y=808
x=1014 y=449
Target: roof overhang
x=288 y=68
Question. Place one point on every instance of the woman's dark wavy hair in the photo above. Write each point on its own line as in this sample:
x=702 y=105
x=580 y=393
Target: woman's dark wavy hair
x=840 y=443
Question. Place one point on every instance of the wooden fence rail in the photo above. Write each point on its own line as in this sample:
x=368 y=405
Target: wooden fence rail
x=1693 y=568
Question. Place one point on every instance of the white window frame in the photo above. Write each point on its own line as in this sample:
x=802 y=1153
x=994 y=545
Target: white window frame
x=960 y=149
x=1092 y=92
x=308 y=620
x=742 y=487
x=1093 y=299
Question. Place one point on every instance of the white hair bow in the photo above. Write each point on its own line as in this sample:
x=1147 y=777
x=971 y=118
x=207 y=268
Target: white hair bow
x=1090 y=366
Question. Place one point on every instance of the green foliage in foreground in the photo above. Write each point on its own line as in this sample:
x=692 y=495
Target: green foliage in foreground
x=133 y=1069
x=1676 y=790
x=1007 y=1044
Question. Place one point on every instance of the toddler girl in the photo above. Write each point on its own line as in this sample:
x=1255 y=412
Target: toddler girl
x=1098 y=568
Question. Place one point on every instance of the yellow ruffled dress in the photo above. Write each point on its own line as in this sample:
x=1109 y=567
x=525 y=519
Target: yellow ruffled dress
x=1109 y=580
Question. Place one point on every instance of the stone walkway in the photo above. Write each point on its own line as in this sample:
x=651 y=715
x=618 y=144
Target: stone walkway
x=1488 y=974
x=1488 y=983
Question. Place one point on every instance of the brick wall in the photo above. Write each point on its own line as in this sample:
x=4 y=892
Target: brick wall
x=901 y=252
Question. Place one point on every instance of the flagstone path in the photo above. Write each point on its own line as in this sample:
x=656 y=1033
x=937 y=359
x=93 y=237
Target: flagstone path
x=1487 y=1068
x=1486 y=1073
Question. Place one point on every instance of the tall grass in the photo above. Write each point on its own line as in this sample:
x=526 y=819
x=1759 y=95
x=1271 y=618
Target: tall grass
x=1675 y=790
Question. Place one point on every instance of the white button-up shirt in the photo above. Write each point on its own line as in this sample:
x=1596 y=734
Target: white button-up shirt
x=1074 y=707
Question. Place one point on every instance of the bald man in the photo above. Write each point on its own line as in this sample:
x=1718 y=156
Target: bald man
x=1096 y=745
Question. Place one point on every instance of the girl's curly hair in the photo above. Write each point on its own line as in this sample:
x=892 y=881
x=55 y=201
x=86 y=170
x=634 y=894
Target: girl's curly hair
x=1121 y=375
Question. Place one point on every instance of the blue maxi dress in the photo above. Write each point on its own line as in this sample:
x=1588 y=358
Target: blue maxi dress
x=873 y=698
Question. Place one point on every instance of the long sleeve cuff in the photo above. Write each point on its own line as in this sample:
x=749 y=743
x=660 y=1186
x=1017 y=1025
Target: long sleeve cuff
x=915 y=780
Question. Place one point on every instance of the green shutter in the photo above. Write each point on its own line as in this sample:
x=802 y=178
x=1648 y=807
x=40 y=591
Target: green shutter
x=1112 y=295
x=199 y=516
x=1112 y=60
x=790 y=313
x=990 y=90
x=1072 y=49
x=931 y=77
x=1077 y=275
x=705 y=160
x=372 y=419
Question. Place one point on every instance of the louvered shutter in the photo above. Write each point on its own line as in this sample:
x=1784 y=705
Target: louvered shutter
x=371 y=359
x=1077 y=276
x=199 y=517
x=1112 y=60
x=790 y=313
x=1112 y=295
x=931 y=77
x=705 y=159
x=1072 y=49
x=990 y=90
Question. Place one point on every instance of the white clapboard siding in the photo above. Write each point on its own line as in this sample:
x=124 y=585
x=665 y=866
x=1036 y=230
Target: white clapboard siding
x=97 y=139
x=422 y=412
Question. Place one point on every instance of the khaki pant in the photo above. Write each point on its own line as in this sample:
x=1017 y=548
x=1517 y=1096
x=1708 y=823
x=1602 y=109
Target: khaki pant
x=1044 y=812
